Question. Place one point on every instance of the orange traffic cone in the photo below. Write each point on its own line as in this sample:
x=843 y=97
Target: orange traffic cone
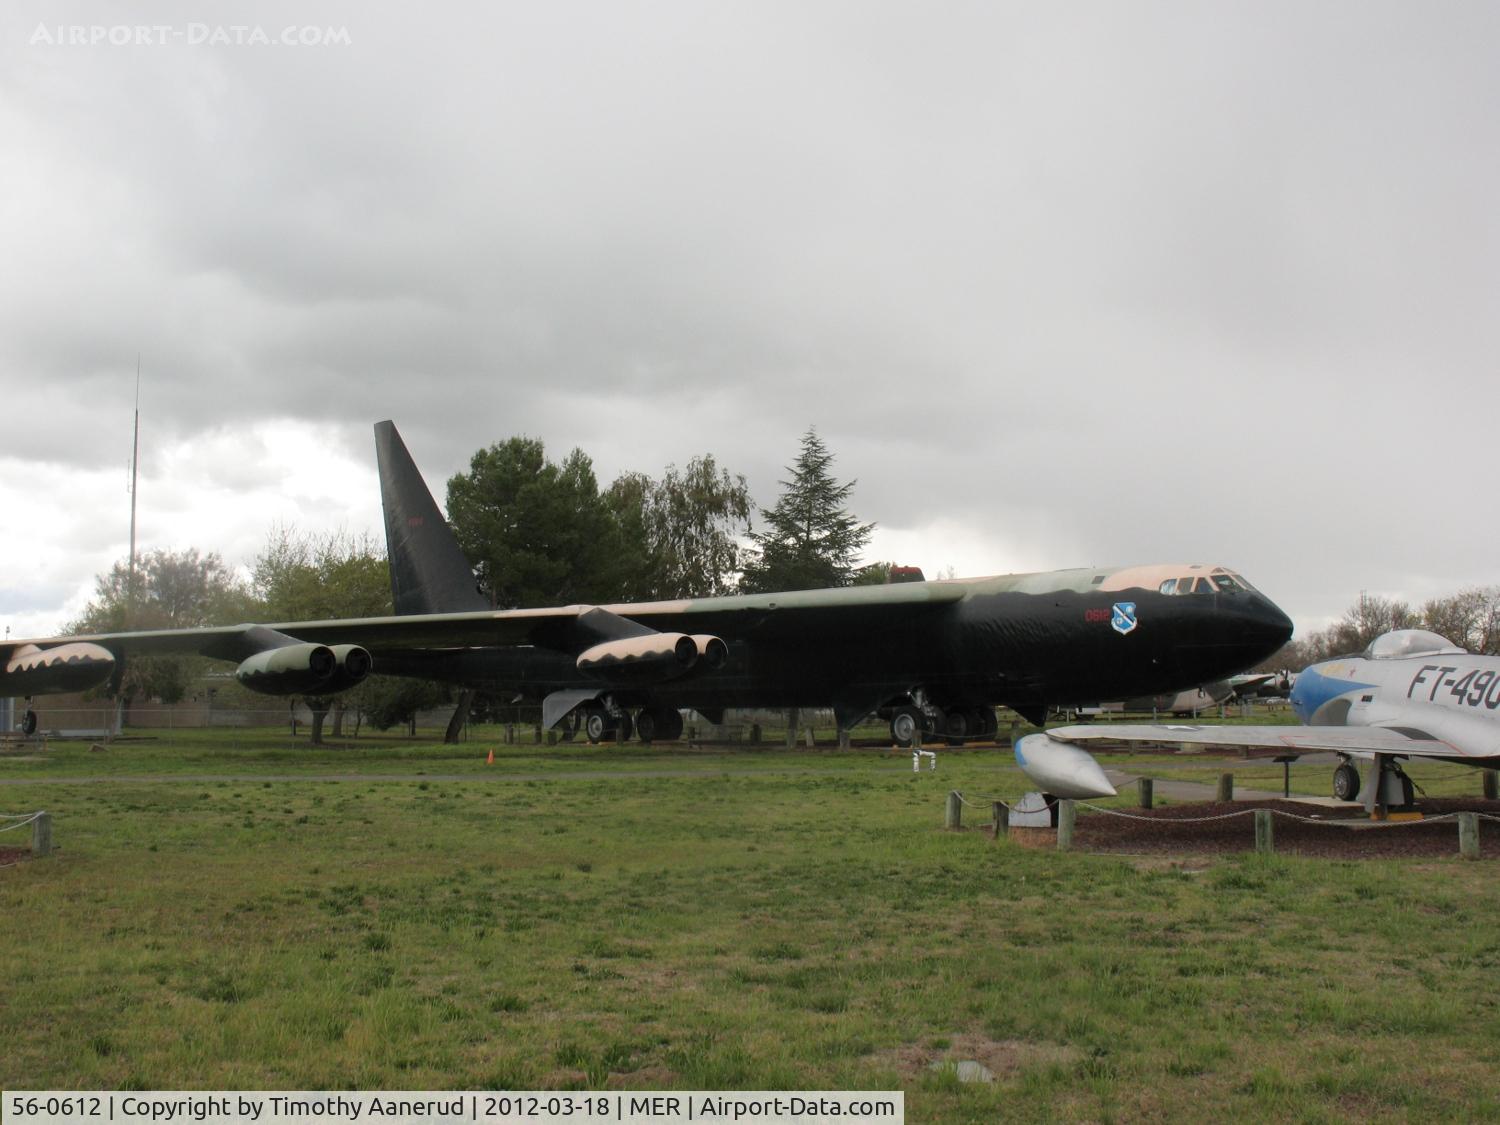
x=490 y=761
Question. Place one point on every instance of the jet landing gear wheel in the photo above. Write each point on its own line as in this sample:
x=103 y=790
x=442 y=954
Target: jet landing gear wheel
x=28 y=722
x=596 y=724
x=658 y=724
x=1346 y=782
x=958 y=724
x=906 y=726
x=983 y=723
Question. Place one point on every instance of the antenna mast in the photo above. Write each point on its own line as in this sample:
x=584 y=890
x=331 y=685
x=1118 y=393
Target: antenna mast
x=135 y=456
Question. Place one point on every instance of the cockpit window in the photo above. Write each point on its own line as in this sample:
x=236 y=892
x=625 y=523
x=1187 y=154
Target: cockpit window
x=1410 y=642
x=1226 y=582
x=1168 y=586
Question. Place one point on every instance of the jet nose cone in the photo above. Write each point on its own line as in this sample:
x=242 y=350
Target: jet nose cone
x=1277 y=625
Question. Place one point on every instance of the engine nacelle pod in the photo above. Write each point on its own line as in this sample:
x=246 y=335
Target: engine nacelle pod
x=655 y=656
x=32 y=670
x=290 y=670
x=1061 y=769
x=713 y=653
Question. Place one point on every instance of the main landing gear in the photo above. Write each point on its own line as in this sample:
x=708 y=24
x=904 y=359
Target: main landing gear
x=606 y=721
x=957 y=725
x=1390 y=788
x=1346 y=782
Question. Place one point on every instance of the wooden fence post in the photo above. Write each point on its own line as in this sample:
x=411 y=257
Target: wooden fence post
x=41 y=834
x=1226 y=788
x=953 y=815
x=1468 y=835
x=1491 y=789
x=1067 y=814
x=1144 y=785
x=999 y=819
x=1263 y=838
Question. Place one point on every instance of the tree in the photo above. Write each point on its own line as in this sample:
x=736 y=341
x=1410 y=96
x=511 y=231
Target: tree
x=811 y=541
x=171 y=590
x=388 y=700
x=1470 y=618
x=537 y=533
x=681 y=531
x=317 y=578
x=300 y=577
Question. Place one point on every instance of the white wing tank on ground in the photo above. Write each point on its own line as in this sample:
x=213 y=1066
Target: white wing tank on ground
x=1060 y=769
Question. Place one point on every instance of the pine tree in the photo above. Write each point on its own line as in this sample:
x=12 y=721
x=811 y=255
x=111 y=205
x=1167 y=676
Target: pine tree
x=811 y=541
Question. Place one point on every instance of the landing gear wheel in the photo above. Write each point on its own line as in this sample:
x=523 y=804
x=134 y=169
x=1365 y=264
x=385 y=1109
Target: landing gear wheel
x=596 y=723
x=645 y=725
x=906 y=726
x=624 y=728
x=669 y=725
x=956 y=726
x=1346 y=782
x=28 y=722
x=658 y=724
x=989 y=726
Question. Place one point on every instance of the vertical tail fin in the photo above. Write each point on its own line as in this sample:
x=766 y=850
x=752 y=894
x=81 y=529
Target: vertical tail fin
x=429 y=573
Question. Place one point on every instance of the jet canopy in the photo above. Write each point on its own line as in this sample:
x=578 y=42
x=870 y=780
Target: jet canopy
x=1204 y=581
x=1410 y=642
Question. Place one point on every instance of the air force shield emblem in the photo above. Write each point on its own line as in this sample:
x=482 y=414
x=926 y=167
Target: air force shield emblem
x=1122 y=617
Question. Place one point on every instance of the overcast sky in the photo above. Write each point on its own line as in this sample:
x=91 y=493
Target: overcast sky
x=1059 y=285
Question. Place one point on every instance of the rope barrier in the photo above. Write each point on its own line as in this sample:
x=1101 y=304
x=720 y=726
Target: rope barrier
x=985 y=802
x=31 y=817
x=1167 y=820
x=1274 y=812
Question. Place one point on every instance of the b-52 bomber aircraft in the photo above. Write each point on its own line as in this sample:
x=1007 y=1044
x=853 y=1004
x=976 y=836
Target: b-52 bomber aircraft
x=1410 y=694
x=923 y=655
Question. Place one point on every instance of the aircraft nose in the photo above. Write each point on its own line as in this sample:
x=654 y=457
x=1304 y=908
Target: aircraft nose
x=1274 y=620
x=1269 y=622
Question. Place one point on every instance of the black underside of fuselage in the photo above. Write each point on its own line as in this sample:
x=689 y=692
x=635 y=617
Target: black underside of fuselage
x=1016 y=649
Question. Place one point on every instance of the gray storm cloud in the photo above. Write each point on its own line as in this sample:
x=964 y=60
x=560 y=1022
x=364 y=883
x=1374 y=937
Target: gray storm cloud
x=1144 y=281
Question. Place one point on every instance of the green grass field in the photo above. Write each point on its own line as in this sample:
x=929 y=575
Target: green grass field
x=223 y=915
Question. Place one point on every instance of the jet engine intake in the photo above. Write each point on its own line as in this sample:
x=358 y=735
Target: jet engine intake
x=32 y=670
x=292 y=670
x=354 y=664
x=655 y=656
x=712 y=651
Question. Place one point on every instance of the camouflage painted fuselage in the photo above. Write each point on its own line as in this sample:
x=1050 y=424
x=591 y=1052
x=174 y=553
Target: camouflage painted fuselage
x=1023 y=640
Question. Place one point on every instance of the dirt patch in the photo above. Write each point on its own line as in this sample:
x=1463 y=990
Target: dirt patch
x=1000 y=1056
x=1184 y=829
x=1034 y=837
x=9 y=856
